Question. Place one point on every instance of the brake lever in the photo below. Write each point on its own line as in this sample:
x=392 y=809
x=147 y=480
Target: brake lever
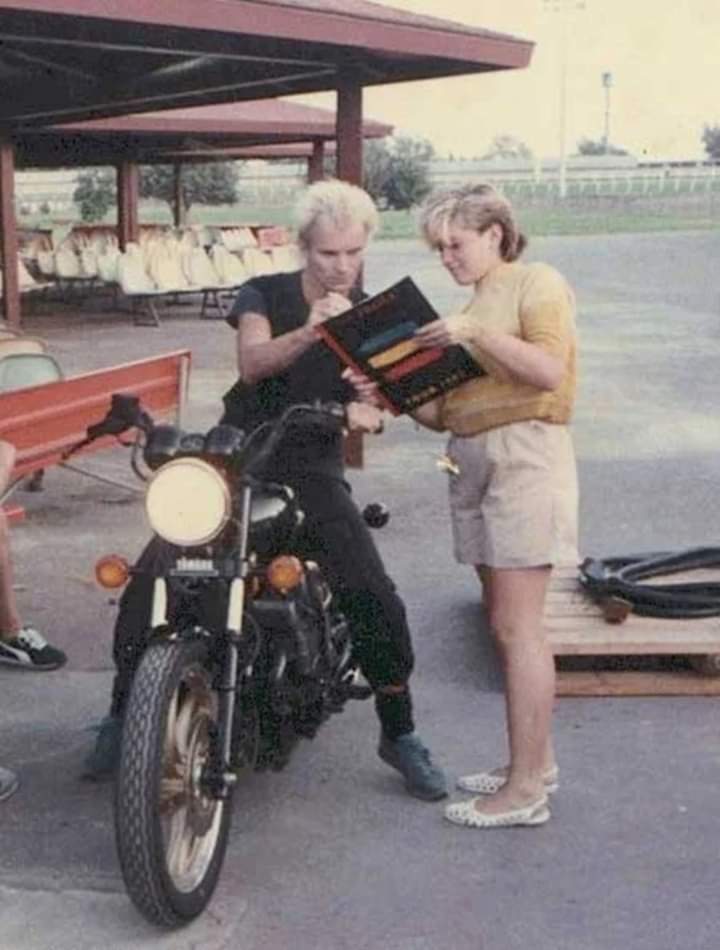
x=124 y=413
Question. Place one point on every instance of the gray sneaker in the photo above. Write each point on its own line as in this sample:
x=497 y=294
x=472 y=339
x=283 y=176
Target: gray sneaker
x=8 y=783
x=412 y=759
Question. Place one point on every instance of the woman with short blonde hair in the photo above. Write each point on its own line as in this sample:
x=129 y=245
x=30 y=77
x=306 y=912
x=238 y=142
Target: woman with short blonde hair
x=475 y=207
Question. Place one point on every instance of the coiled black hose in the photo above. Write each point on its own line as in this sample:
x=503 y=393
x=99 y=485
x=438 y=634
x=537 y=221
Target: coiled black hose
x=617 y=579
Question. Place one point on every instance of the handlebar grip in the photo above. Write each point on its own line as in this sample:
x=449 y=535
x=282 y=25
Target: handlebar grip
x=125 y=413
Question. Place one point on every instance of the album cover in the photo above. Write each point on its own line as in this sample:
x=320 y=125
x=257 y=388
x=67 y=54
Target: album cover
x=376 y=337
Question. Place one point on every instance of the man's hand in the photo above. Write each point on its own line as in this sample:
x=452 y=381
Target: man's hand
x=328 y=306
x=363 y=417
x=366 y=388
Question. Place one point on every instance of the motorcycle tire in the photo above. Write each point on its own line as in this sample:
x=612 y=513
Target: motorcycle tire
x=171 y=835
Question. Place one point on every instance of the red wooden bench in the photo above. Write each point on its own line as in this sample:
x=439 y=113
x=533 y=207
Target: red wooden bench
x=44 y=421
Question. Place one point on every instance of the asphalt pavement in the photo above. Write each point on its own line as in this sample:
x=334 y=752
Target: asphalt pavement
x=331 y=854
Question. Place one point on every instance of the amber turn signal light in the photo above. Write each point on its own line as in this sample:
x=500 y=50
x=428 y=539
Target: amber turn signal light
x=284 y=573
x=112 y=571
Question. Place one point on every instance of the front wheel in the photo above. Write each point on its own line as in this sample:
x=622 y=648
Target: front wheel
x=171 y=833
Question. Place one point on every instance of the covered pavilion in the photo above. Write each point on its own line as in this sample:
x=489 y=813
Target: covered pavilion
x=68 y=60
x=178 y=136
x=150 y=136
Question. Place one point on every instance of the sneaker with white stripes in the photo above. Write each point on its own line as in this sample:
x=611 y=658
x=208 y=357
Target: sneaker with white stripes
x=30 y=650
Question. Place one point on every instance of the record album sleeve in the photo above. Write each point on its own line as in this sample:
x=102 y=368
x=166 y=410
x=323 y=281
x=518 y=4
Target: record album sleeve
x=376 y=337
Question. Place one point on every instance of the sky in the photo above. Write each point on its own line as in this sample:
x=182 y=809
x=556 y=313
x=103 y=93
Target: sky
x=663 y=58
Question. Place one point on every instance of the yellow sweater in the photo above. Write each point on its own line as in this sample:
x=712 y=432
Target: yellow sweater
x=533 y=302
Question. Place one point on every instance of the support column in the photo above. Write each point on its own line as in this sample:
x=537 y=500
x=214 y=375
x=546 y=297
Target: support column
x=128 y=192
x=8 y=234
x=178 y=203
x=316 y=162
x=349 y=132
x=350 y=168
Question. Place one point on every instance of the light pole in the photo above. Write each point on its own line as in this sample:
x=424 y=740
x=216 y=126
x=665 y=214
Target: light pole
x=563 y=96
x=607 y=81
x=563 y=7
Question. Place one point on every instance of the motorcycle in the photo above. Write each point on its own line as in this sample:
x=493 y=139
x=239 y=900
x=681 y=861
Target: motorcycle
x=246 y=650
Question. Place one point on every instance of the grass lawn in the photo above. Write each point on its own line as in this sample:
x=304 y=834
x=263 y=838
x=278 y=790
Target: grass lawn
x=556 y=219
x=543 y=221
x=535 y=219
x=639 y=214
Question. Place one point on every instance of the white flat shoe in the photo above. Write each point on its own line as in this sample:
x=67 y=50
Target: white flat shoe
x=465 y=813
x=487 y=783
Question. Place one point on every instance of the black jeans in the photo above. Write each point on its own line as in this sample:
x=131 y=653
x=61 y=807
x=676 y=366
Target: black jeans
x=335 y=535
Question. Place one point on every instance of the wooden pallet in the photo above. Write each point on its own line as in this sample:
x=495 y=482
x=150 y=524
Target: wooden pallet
x=635 y=683
x=577 y=628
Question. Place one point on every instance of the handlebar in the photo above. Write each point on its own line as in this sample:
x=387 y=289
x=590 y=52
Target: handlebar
x=332 y=412
x=126 y=413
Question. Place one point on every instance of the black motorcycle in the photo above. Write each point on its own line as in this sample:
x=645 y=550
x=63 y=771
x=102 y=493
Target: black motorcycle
x=246 y=651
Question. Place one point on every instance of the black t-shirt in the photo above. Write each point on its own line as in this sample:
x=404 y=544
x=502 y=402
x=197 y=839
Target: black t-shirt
x=316 y=374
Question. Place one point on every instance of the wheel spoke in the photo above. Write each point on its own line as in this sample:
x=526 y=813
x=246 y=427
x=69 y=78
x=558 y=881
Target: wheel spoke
x=185 y=853
x=177 y=847
x=173 y=794
x=183 y=726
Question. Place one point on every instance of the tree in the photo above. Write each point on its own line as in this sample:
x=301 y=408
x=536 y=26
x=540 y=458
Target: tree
x=598 y=147
x=376 y=169
x=711 y=141
x=397 y=173
x=95 y=193
x=508 y=146
x=214 y=183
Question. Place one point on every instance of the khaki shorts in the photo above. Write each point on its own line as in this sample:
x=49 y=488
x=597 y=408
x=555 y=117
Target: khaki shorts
x=514 y=502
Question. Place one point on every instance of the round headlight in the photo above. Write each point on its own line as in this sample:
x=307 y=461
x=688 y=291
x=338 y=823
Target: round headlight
x=187 y=502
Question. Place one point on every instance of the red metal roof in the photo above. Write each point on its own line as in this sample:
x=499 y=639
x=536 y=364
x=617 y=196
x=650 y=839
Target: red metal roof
x=363 y=9
x=62 y=60
x=150 y=135
x=366 y=10
x=262 y=117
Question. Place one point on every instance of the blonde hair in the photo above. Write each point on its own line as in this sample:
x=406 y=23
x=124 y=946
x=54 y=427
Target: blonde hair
x=475 y=207
x=338 y=202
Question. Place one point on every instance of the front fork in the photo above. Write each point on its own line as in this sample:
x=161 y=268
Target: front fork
x=228 y=683
x=221 y=777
